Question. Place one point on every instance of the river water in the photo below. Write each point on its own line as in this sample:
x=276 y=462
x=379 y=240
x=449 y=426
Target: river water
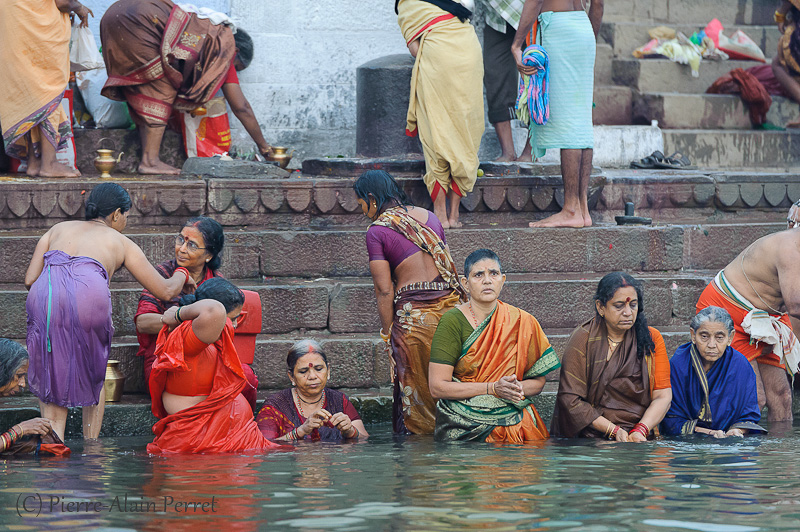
x=413 y=483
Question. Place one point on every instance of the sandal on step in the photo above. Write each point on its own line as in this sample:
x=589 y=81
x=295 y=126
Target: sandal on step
x=676 y=161
x=649 y=162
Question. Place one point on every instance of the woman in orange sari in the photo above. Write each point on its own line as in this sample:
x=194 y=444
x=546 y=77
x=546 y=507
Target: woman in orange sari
x=197 y=378
x=488 y=359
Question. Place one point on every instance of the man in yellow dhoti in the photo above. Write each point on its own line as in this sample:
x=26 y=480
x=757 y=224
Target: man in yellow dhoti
x=446 y=103
x=34 y=52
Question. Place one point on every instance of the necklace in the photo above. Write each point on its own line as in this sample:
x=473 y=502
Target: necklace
x=473 y=313
x=300 y=401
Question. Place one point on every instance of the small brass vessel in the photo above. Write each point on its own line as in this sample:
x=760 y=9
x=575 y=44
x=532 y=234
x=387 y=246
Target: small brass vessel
x=115 y=382
x=279 y=155
x=105 y=162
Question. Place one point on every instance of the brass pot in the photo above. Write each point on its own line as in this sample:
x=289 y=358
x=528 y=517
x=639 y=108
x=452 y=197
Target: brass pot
x=279 y=155
x=115 y=382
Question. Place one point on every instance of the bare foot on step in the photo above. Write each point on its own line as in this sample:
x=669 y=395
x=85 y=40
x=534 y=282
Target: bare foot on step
x=158 y=168
x=58 y=170
x=794 y=124
x=505 y=158
x=561 y=219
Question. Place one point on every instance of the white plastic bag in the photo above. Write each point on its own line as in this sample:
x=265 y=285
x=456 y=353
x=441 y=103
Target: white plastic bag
x=83 y=53
x=107 y=114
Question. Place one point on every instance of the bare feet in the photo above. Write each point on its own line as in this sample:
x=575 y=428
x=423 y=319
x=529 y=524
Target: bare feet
x=506 y=158
x=34 y=166
x=793 y=124
x=523 y=158
x=561 y=219
x=454 y=224
x=158 y=168
x=58 y=170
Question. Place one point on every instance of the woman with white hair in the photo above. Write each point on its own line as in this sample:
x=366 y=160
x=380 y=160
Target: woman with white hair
x=713 y=385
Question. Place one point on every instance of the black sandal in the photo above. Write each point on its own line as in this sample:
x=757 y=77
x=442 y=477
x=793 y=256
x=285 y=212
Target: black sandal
x=650 y=162
x=676 y=161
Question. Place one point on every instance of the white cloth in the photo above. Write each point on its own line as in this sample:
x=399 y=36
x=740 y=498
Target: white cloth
x=763 y=327
x=215 y=17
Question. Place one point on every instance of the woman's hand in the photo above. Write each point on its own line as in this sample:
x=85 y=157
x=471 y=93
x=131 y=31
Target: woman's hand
x=622 y=436
x=315 y=421
x=83 y=13
x=169 y=318
x=735 y=432
x=37 y=425
x=413 y=47
x=523 y=69
x=342 y=423
x=634 y=436
x=508 y=388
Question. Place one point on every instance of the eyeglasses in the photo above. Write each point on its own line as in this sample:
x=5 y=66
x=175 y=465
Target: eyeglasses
x=238 y=320
x=791 y=223
x=191 y=246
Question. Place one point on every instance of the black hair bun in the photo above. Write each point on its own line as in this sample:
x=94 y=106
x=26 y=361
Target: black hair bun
x=187 y=299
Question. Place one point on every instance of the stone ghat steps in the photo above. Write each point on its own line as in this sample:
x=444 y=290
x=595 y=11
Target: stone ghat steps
x=347 y=305
x=726 y=148
x=509 y=194
x=663 y=75
x=625 y=37
x=675 y=110
x=671 y=12
x=299 y=256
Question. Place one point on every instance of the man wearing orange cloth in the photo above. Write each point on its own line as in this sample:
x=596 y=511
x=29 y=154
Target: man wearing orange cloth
x=761 y=290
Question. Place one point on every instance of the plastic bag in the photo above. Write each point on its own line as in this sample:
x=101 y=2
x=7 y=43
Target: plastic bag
x=209 y=133
x=83 y=53
x=737 y=46
x=107 y=114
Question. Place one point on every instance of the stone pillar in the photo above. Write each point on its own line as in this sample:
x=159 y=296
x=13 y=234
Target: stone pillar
x=382 y=90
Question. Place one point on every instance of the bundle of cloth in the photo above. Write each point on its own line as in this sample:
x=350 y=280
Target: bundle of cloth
x=533 y=102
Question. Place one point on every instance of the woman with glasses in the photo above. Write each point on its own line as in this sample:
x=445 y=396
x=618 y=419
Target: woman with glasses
x=197 y=248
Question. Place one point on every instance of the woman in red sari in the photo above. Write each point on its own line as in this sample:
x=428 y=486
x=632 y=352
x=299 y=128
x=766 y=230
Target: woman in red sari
x=197 y=377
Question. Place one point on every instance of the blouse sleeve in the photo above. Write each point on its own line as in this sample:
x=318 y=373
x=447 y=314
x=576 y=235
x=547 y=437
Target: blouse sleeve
x=349 y=409
x=446 y=344
x=375 y=244
x=660 y=361
x=272 y=422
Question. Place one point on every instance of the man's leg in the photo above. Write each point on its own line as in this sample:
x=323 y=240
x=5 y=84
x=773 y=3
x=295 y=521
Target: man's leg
x=57 y=416
x=506 y=139
x=762 y=399
x=439 y=198
x=500 y=79
x=571 y=214
x=454 y=202
x=777 y=391
x=93 y=417
x=583 y=187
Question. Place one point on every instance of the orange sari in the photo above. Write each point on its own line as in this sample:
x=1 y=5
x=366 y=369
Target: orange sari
x=223 y=422
x=508 y=342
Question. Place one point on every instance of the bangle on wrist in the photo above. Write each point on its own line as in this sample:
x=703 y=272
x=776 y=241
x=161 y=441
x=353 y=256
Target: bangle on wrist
x=779 y=17
x=353 y=436
x=183 y=271
x=178 y=315
x=385 y=337
x=614 y=431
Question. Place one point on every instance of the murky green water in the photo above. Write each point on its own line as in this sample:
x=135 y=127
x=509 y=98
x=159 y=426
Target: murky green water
x=414 y=484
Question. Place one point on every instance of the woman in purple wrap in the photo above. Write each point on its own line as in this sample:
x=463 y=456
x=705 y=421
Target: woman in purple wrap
x=69 y=306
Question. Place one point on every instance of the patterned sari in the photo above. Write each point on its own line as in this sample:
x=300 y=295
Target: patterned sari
x=418 y=308
x=508 y=342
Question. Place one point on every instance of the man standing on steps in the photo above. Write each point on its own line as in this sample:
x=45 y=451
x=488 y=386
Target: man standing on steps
x=569 y=38
x=500 y=76
x=761 y=290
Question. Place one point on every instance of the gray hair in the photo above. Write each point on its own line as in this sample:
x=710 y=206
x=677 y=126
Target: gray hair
x=12 y=357
x=712 y=315
x=302 y=348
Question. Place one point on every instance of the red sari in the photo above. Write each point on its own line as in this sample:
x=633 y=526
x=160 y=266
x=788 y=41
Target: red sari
x=223 y=422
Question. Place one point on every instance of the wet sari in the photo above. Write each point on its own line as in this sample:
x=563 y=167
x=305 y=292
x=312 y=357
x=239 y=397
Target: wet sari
x=418 y=308
x=508 y=342
x=280 y=415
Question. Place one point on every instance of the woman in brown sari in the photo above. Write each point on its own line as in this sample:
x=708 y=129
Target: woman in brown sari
x=415 y=284
x=786 y=65
x=615 y=370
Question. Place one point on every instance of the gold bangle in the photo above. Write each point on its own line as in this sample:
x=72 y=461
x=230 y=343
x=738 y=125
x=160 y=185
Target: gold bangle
x=385 y=337
x=779 y=17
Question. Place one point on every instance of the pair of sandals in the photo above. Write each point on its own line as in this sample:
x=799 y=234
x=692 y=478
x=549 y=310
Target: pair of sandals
x=676 y=161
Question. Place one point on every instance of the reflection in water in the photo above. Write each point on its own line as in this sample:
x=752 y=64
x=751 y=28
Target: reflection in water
x=413 y=483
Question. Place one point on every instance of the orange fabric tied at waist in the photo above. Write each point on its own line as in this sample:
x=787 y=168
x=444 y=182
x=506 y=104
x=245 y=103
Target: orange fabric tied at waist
x=201 y=360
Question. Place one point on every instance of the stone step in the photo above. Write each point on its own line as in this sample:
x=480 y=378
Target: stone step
x=662 y=75
x=726 y=148
x=602 y=65
x=612 y=105
x=675 y=110
x=625 y=37
x=729 y=12
x=347 y=305
x=310 y=254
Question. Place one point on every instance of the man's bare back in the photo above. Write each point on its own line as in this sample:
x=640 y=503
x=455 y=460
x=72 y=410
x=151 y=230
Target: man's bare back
x=771 y=276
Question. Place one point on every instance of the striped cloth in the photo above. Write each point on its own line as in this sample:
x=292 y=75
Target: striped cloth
x=498 y=12
x=533 y=103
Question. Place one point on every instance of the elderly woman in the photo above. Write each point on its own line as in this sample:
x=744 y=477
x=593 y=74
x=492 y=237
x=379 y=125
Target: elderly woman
x=197 y=377
x=713 y=385
x=160 y=57
x=69 y=305
x=309 y=410
x=488 y=359
x=34 y=434
x=415 y=284
x=34 y=52
x=615 y=372
x=786 y=65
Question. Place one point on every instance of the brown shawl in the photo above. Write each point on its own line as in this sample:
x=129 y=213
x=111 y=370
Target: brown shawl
x=590 y=386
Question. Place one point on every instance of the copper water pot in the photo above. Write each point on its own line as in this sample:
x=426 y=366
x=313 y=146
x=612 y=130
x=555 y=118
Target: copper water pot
x=279 y=155
x=115 y=382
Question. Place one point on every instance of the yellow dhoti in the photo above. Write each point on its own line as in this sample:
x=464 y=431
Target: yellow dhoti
x=34 y=52
x=446 y=102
